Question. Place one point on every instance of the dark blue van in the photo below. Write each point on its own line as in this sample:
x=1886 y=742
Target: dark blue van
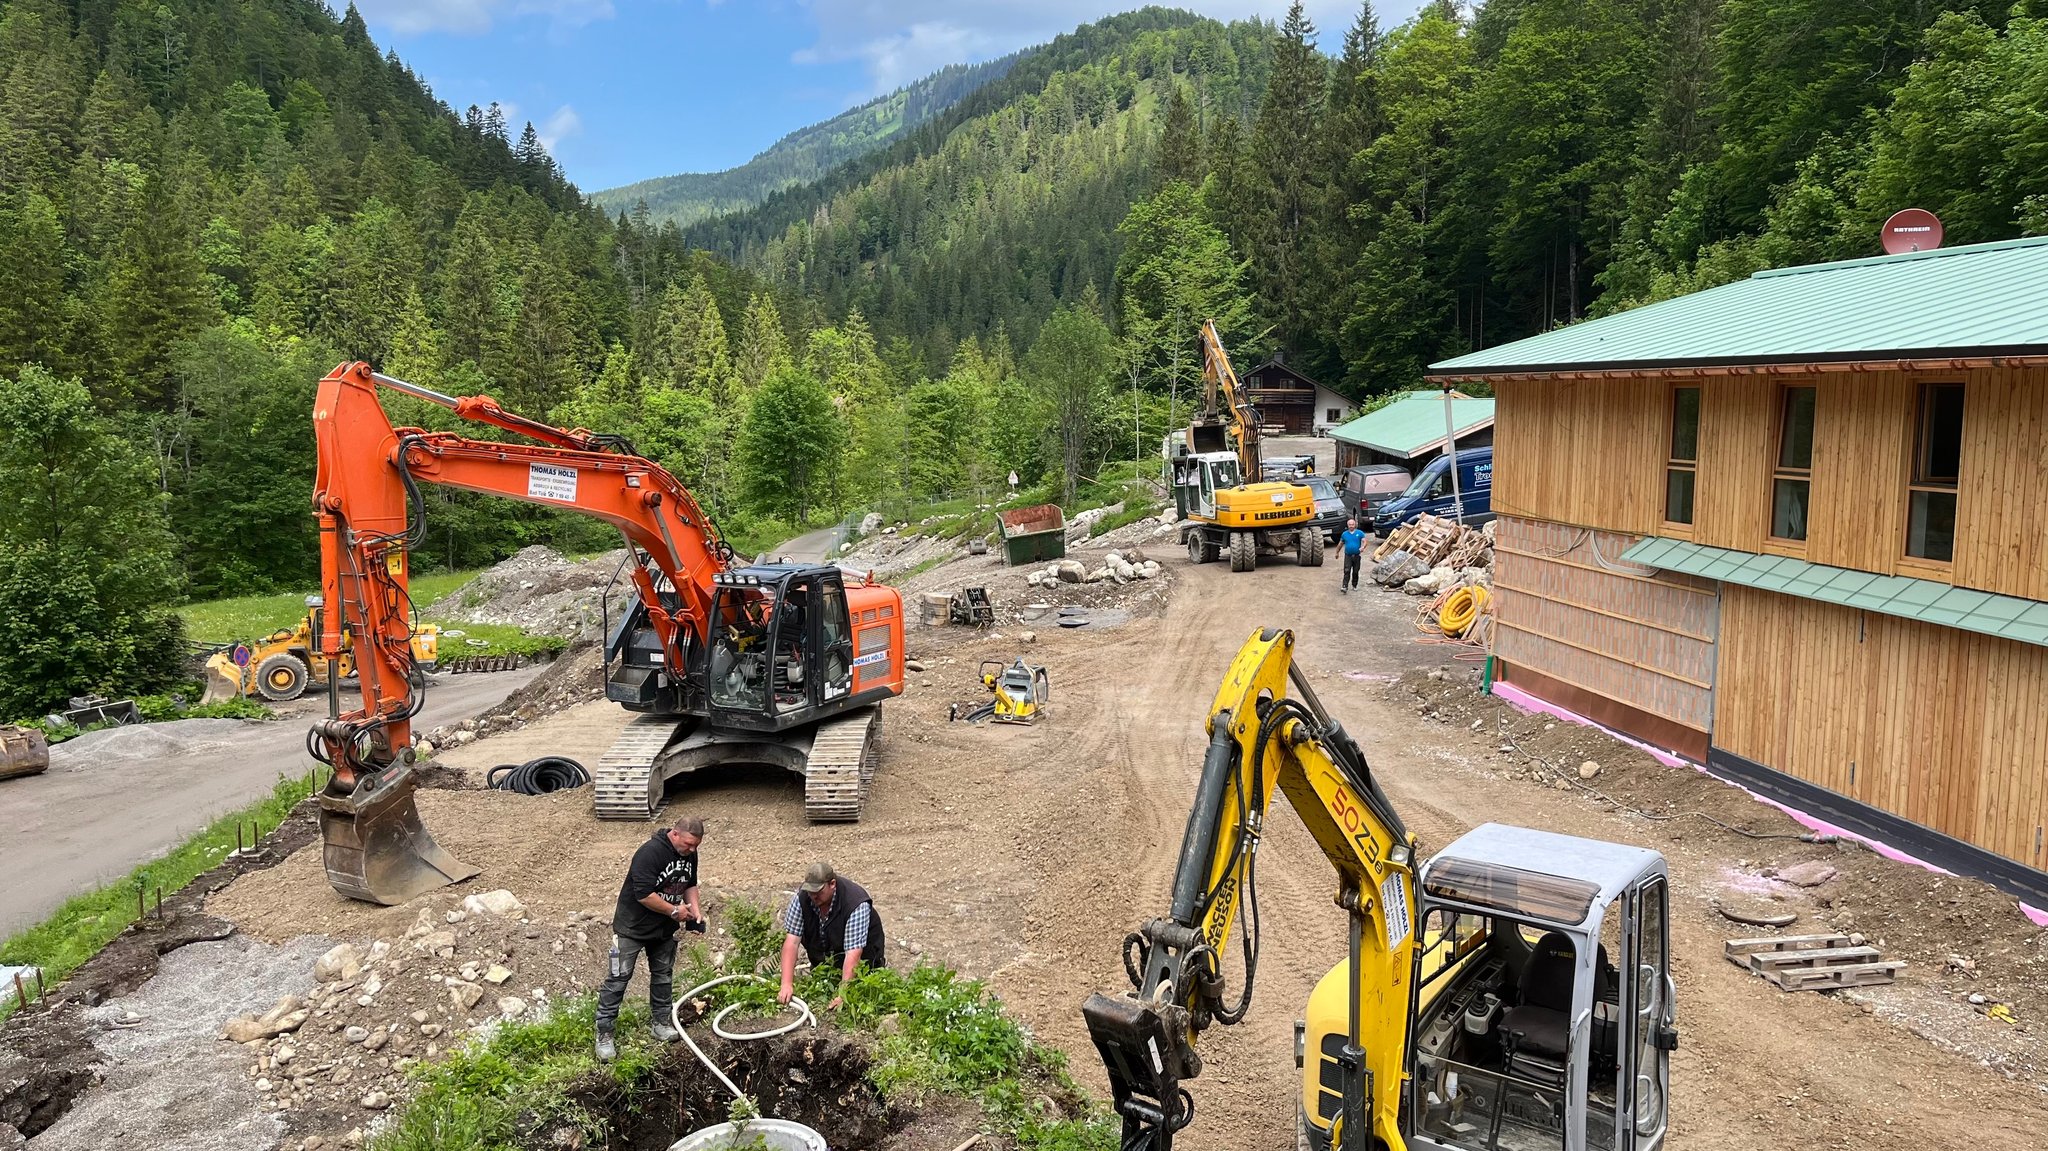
x=1431 y=492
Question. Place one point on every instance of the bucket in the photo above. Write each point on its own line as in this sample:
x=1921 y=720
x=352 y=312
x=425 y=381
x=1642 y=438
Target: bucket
x=775 y=1134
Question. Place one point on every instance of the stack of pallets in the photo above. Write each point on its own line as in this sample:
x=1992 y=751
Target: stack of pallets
x=1813 y=962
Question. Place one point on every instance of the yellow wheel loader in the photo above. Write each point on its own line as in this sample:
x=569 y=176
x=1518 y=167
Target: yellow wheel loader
x=1223 y=502
x=282 y=665
x=1020 y=689
x=1511 y=993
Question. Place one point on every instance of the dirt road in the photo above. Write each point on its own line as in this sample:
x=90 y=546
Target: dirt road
x=116 y=798
x=812 y=547
x=1023 y=855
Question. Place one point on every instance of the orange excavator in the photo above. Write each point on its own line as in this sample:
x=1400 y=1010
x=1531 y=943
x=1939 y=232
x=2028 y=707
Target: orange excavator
x=784 y=664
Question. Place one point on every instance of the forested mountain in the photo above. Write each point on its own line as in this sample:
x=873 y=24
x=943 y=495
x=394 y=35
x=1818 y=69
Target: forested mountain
x=204 y=206
x=806 y=153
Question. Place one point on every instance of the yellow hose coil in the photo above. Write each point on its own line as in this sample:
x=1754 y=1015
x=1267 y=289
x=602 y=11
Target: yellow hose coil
x=1462 y=610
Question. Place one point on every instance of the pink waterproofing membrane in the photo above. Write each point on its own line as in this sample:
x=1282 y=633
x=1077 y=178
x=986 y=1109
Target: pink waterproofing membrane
x=1524 y=701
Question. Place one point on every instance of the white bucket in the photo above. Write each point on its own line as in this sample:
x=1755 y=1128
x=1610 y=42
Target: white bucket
x=778 y=1134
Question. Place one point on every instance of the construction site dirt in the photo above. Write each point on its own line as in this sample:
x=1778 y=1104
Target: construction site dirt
x=1022 y=855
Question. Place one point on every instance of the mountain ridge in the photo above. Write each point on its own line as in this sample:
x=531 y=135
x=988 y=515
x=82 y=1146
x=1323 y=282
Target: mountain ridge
x=809 y=152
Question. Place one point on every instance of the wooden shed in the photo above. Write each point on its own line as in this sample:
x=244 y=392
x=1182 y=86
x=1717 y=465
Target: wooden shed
x=1796 y=528
x=1409 y=430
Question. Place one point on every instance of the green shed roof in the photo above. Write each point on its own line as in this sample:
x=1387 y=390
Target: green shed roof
x=1414 y=424
x=2004 y=616
x=1981 y=299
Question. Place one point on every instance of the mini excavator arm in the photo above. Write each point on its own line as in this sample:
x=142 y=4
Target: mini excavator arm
x=365 y=500
x=1261 y=740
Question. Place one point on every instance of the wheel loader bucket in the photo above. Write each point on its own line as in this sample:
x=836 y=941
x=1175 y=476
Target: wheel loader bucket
x=223 y=679
x=374 y=846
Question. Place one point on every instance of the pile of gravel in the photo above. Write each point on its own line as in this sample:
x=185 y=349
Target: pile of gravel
x=536 y=589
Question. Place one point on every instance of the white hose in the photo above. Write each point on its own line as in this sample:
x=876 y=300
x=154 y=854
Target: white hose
x=675 y=1015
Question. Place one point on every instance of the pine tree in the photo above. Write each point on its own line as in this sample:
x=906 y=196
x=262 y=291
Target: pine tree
x=1180 y=142
x=33 y=305
x=763 y=346
x=472 y=313
x=1291 y=169
x=155 y=295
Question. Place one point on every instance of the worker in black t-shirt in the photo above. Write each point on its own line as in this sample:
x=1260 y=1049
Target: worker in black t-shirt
x=660 y=892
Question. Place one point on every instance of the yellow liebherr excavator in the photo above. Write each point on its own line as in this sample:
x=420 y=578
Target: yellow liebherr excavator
x=1225 y=505
x=1485 y=1013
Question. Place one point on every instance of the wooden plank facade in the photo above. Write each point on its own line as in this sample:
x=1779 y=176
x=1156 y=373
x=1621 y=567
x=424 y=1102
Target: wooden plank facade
x=1944 y=729
x=1590 y=453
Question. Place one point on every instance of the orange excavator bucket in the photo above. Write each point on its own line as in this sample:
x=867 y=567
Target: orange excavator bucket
x=373 y=844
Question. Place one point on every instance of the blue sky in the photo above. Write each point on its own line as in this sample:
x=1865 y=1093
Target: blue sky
x=627 y=89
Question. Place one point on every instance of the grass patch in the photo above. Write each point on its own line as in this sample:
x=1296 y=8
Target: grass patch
x=497 y=639
x=937 y=1034
x=86 y=923
x=920 y=569
x=1134 y=510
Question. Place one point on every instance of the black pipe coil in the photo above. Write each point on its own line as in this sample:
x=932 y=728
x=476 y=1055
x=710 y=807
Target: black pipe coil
x=538 y=776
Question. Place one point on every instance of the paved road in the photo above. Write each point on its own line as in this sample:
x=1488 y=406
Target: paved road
x=96 y=816
x=813 y=547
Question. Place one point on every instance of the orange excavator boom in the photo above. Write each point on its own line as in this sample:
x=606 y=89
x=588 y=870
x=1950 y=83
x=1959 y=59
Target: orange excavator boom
x=366 y=502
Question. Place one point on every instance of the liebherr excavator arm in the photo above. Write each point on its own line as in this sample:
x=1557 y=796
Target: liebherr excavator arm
x=1261 y=740
x=1226 y=408
x=366 y=501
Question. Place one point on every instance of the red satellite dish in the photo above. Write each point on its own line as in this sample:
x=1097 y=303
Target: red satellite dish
x=1912 y=230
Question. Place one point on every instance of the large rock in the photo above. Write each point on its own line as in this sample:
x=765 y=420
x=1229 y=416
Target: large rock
x=1812 y=873
x=342 y=962
x=287 y=1014
x=1398 y=568
x=1071 y=571
x=499 y=902
x=464 y=994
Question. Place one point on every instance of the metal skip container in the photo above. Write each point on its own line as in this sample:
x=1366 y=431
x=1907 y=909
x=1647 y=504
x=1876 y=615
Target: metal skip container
x=1033 y=535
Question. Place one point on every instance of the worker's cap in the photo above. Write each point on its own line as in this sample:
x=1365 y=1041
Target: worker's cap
x=817 y=877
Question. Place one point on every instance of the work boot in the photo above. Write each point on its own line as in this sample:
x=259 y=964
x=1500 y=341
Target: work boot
x=606 y=1049
x=665 y=1033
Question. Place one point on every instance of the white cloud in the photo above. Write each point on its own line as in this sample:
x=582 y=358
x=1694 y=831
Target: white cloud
x=559 y=127
x=474 y=17
x=898 y=41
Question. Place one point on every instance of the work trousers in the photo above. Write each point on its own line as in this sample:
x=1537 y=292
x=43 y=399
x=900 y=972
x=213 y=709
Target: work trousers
x=661 y=975
x=1350 y=576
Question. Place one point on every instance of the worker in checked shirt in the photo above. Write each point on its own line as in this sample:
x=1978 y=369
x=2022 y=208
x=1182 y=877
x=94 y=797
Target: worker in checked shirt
x=835 y=922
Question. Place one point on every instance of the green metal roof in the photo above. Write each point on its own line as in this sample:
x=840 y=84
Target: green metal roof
x=1982 y=299
x=2004 y=616
x=1414 y=423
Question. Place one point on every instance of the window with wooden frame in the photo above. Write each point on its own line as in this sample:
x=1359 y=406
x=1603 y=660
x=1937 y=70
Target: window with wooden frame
x=1792 y=475
x=1937 y=470
x=1681 y=463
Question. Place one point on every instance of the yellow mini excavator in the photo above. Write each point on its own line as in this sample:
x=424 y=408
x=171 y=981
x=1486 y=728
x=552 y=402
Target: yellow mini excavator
x=1223 y=501
x=1480 y=1008
x=1020 y=689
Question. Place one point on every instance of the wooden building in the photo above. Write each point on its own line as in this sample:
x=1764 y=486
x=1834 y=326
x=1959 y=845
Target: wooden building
x=1796 y=528
x=1290 y=403
x=1409 y=432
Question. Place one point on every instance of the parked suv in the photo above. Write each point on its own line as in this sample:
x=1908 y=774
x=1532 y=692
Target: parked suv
x=1431 y=492
x=1367 y=487
x=1330 y=511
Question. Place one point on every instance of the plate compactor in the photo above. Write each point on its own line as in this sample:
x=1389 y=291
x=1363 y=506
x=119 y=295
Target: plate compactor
x=1020 y=692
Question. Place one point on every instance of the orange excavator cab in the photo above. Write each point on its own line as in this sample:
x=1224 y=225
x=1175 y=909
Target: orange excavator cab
x=780 y=663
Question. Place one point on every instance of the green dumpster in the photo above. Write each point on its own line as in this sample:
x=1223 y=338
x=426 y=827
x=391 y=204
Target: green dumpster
x=1033 y=535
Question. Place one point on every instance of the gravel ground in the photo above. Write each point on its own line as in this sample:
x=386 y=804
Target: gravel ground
x=172 y=1083
x=147 y=741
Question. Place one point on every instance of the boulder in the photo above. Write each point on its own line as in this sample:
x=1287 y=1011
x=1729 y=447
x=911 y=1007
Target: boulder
x=1398 y=568
x=498 y=973
x=464 y=994
x=342 y=962
x=1071 y=571
x=499 y=902
x=287 y=1014
x=1590 y=769
x=440 y=943
x=870 y=522
x=511 y=1007
x=1812 y=873
x=355 y=1034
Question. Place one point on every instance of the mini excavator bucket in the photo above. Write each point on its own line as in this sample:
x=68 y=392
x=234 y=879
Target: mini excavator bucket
x=374 y=846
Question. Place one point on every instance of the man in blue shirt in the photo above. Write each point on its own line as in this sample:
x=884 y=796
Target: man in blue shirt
x=1354 y=547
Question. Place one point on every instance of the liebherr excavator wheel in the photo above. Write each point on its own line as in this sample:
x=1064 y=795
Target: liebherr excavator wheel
x=1244 y=551
x=1308 y=547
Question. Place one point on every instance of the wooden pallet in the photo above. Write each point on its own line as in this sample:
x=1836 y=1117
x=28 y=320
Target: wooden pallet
x=1813 y=962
